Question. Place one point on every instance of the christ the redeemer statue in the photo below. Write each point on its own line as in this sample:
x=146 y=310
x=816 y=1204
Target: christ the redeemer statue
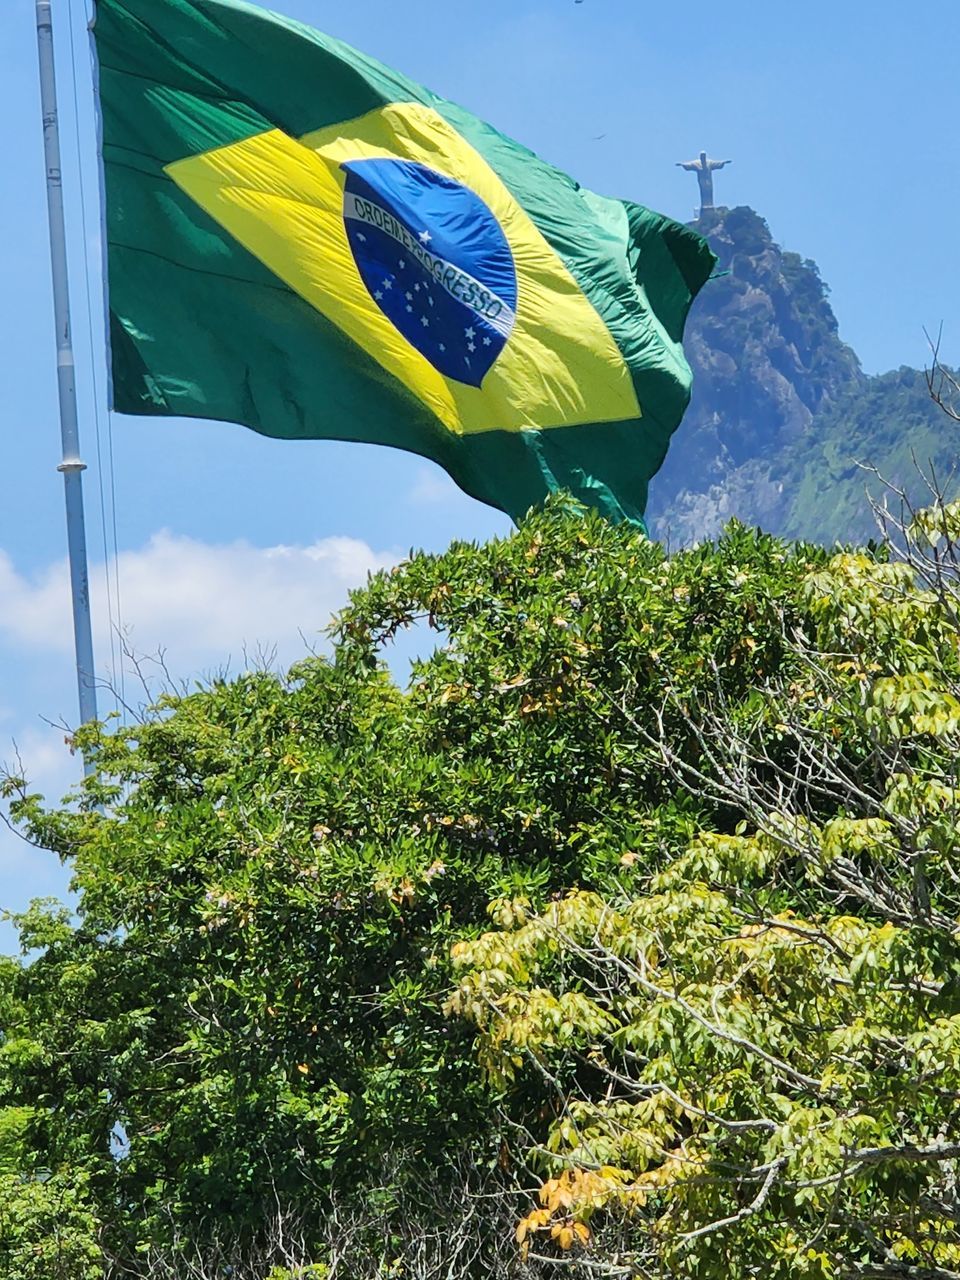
x=703 y=167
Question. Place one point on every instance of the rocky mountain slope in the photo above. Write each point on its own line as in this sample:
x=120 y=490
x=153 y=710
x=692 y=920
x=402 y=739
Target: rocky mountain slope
x=783 y=420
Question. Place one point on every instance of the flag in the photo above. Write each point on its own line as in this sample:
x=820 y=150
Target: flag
x=304 y=242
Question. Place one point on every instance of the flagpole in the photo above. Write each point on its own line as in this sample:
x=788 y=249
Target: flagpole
x=71 y=466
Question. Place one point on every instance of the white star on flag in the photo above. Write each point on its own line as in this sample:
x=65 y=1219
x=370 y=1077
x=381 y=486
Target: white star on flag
x=402 y=264
x=471 y=333
x=471 y=346
x=408 y=296
x=426 y=237
x=388 y=283
x=361 y=237
x=486 y=342
x=425 y=322
x=442 y=347
x=409 y=308
x=378 y=295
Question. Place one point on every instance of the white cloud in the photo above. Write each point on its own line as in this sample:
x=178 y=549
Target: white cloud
x=205 y=605
x=44 y=754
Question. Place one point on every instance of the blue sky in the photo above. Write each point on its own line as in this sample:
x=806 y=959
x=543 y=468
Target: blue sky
x=840 y=119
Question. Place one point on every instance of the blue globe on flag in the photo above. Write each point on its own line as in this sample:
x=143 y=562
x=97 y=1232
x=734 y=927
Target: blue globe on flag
x=436 y=262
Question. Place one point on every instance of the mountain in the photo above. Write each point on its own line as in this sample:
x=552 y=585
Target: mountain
x=783 y=424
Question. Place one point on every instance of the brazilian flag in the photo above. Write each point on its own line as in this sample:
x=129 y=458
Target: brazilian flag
x=303 y=241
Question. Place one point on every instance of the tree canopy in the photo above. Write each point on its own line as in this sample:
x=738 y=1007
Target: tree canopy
x=620 y=940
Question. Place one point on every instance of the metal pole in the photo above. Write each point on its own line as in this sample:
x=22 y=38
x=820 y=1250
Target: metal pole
x=70 y=465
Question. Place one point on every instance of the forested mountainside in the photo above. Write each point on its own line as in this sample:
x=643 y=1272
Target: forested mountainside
x=783 y=420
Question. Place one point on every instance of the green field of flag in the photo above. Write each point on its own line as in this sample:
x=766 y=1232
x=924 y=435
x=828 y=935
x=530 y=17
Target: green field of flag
x=303 y=241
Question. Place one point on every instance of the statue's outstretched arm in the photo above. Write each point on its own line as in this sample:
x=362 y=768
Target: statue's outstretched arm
x=688 y=164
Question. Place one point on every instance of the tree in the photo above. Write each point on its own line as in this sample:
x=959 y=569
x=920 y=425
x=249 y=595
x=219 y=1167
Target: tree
x=278 y=1032
x=943 y=384
x=756 y=1059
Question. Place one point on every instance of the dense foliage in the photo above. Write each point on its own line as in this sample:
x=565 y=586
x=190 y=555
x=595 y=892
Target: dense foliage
x=890 y=422
x=708 y=802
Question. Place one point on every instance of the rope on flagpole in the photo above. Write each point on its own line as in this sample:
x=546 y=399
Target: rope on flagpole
x=106 y=474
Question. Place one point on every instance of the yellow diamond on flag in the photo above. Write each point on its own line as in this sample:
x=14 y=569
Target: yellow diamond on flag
x=541 y=357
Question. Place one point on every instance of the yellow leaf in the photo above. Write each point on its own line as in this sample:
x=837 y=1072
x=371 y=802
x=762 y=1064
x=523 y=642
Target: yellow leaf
x=303 y=1068
x=547 y=1190
x=563 y=1235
